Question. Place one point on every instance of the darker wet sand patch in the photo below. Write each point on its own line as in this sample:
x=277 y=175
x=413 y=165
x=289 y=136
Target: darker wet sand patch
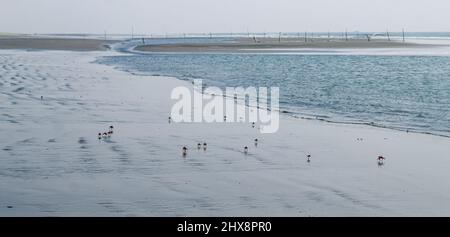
x=39 y=43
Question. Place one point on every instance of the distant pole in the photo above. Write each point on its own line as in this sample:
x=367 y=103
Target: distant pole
x=132 y=32
x=306 y=37
x=328 y=35
x=279 y=37
x=403 y=33
x=346 y=35
x=388 y=36
x=105 y=34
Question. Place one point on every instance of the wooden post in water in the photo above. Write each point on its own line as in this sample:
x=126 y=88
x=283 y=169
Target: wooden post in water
x=306 y=37
x=403 y=33
x=279 y=37
x=388 y=36
x=346 y=35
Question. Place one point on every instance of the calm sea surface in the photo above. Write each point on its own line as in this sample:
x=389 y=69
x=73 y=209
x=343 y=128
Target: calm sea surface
x=402 y=92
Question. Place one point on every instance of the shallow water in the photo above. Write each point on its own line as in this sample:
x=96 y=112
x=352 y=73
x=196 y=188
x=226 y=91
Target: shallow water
x=402 y=92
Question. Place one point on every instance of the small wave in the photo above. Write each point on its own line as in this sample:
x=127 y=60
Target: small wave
x=27 y=141
x=7 y=148
x=82 y=140
x=12 y=121
x=19 y=89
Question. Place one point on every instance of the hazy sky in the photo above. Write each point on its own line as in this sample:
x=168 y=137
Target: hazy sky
x=178 y=16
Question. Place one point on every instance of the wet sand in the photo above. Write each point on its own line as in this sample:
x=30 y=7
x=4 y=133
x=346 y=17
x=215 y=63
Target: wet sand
x=53 y=164
x=45 y=43
x=240 y=45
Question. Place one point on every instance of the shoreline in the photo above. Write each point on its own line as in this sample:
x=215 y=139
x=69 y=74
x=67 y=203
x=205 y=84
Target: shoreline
x=285 y=45
x=287 y=114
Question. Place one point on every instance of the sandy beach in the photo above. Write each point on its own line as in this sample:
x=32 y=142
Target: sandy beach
x=241 y=45
x=52 y=43
x=53 y=164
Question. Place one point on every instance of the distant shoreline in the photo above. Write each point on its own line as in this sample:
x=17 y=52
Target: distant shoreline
x=274 y=44
x=53 y=43
x=237 y=45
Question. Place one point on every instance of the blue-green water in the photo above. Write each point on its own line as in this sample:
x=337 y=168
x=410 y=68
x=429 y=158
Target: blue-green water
x=402 y=92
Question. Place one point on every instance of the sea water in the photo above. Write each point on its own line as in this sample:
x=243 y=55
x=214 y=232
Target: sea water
x=407 y=92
